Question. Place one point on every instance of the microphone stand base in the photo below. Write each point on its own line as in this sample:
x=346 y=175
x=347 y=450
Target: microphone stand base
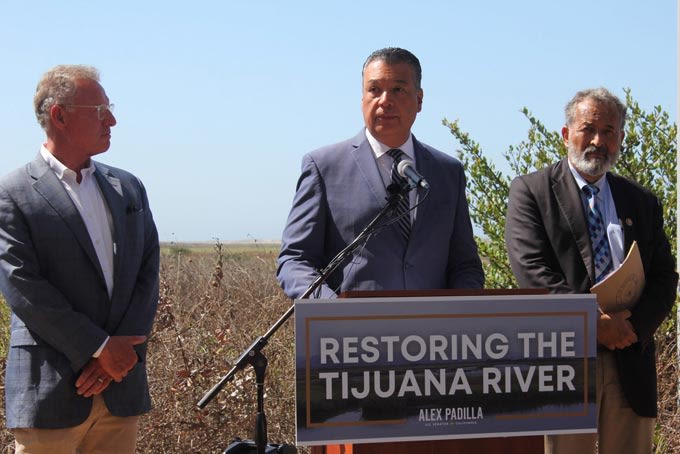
x=238 y=446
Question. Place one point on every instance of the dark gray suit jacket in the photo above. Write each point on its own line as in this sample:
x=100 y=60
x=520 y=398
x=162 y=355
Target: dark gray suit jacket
x=549 y=247
x=61 y=312
x=341 y=190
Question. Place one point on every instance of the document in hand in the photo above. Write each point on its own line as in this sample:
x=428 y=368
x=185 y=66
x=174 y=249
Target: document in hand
x=622 y=288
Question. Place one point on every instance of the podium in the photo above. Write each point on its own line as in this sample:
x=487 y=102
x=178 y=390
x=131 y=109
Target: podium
x=505 y=445
x=510 y=445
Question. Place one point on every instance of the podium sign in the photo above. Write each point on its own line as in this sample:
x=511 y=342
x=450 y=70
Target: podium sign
x=431 y=368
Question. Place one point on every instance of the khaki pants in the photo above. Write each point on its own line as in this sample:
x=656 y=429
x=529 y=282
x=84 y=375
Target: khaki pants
x=100 y=433
x=620 y=429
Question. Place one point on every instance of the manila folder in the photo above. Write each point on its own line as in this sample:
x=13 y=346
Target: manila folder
x=622 y=288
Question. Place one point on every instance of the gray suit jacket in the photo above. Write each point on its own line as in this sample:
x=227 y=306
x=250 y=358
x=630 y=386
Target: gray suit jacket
x=341 y=190
x=549 y=247
x=61 y=312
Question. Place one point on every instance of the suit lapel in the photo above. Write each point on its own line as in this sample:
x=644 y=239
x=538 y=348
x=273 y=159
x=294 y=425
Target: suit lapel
x=366 y=165
x=624 y=210
x=425 y=166
x=113 y=195
x=569 y=200
x=50 y=188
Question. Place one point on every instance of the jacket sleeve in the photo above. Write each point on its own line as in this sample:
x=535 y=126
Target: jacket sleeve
x=303 y=244
x=531 y=255
x=661 y=279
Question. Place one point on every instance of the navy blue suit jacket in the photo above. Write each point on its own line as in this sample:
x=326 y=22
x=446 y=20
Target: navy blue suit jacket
x=61 y=312
x=340 y=190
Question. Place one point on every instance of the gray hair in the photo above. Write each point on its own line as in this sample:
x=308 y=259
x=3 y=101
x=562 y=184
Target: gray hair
x=393 y=55
x=58 y=86
x=601 y=95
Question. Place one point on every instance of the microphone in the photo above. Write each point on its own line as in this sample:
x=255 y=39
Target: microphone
x=406 y=170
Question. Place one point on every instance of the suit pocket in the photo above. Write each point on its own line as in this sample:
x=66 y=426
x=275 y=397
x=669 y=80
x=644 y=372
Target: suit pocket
x=134 y=210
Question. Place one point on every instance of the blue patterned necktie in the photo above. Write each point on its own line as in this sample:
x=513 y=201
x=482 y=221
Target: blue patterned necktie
x=602 y=257
x=404 y=222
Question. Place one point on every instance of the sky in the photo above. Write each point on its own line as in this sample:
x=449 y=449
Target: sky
x=217 y=101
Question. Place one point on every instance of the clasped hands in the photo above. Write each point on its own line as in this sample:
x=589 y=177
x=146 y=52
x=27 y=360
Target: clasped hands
x=615 y=331
x=115 y=361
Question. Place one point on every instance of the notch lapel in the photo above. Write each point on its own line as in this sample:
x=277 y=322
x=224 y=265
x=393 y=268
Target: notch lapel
x=50 y=188
x=569 y=200
x=366 y=165
x=624 y=211
x=113 y=195
x=426 y=167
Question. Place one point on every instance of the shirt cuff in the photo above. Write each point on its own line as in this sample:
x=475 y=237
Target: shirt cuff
x=101 y=347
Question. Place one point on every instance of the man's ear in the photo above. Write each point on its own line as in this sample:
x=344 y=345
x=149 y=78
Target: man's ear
x=57 y=116
x=565 y=135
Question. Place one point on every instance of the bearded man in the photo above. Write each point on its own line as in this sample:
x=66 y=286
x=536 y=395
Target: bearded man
x=570 y=225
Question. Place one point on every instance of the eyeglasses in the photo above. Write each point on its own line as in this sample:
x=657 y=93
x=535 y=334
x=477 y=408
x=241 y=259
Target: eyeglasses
x=102 y=109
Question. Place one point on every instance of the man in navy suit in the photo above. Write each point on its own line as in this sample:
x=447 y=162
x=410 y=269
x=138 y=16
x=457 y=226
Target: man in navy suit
x=343 y=186
x=571 y=224
x=79 y=259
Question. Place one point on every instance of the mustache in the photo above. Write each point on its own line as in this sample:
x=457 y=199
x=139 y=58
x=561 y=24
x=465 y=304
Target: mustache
x=594 y=149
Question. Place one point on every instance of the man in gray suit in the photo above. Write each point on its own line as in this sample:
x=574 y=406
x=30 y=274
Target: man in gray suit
x=571 y=224
x=343 y=186
x=79 y=259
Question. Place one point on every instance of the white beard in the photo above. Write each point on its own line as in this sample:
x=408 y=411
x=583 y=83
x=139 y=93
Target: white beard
x=592 y=167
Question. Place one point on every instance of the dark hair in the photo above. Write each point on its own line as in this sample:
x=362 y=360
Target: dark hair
x=392 y=55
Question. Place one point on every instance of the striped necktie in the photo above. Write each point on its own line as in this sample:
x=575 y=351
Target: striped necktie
x=602 y=257
x=404 y=222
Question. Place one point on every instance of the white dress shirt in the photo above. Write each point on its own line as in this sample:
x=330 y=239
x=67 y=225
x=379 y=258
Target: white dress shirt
x=94 y=211
x=385 y=161
x=605 y=203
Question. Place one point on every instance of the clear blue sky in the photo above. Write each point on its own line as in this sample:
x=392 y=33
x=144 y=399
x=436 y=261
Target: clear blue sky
x=218 y=101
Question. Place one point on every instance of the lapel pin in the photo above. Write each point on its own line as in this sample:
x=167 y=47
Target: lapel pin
x=629 y=222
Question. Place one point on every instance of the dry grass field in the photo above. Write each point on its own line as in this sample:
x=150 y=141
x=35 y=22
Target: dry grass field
x=213 y=304
x=214 y=301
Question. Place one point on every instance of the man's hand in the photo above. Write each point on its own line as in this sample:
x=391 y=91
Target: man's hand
x=93 y=379
x=118 y=357
x=615 y=331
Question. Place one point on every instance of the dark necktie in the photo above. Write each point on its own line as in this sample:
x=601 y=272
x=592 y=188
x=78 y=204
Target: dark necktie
x=404 y=222
x=602 y=257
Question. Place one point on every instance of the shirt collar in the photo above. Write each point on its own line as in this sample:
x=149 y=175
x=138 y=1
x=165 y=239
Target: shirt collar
x=380 y=148
x=61 y=171
x=580 y=181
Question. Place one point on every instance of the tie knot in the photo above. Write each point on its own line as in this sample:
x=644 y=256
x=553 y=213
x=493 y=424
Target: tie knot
x=396 y=154
x=591 y=190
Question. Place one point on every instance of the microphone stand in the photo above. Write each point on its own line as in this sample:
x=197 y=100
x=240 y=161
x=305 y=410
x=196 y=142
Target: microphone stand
x=253 y=354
